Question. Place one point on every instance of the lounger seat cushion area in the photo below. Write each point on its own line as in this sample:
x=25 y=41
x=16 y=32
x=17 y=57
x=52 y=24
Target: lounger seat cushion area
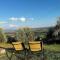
x=35 y=45
x=17 y=45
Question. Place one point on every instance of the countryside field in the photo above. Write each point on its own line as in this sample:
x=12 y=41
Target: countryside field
x=29 y=29
x=50 y=51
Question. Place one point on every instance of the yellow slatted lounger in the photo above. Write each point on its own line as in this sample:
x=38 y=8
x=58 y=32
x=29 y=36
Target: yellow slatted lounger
x=35 y=48
x=17 y=51
x=35 y=45
x=18 y=46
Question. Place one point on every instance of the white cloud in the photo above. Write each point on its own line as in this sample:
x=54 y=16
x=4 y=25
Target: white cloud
x=3 y=22
x=13 y=18
x=12 y=25
x=22 y=19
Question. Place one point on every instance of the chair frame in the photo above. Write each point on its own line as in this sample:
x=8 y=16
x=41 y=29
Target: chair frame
x=15 y=50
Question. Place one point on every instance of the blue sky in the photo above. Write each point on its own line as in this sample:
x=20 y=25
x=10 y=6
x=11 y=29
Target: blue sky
x=31 y=13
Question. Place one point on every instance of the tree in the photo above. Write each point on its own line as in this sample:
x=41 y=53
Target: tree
x=58 y=21
x=25 y=35
x=56 y=33
x=53 y=34
x=2 y=36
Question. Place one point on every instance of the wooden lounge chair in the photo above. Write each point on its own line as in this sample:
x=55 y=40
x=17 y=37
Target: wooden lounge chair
x=35 y=50
x=35 y=46
x=17 y=50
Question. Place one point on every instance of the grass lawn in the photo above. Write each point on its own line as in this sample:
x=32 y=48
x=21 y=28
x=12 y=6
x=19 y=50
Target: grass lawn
x=53 y=47
x=6 y=45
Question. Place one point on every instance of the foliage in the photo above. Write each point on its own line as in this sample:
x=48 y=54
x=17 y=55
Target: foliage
x=2 y=36
x=25 y=35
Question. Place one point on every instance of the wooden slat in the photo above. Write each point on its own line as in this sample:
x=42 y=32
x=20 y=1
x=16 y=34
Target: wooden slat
x=17 y=45
x=35 y=45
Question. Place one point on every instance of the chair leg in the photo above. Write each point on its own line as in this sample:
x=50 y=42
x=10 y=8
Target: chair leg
x=9 y=57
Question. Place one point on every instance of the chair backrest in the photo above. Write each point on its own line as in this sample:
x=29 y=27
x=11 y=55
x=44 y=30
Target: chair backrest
x=35 y=45
x=18 y=46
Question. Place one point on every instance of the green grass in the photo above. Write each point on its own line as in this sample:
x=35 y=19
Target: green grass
x=53 y=47
x=6 y=45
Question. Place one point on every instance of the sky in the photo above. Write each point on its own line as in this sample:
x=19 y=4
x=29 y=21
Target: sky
x=29 y=13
